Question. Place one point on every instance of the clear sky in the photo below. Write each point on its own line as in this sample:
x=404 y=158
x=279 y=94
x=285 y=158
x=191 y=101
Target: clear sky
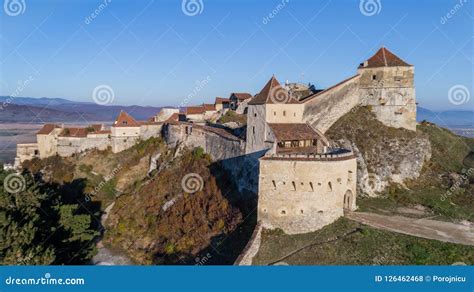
x=153 y=53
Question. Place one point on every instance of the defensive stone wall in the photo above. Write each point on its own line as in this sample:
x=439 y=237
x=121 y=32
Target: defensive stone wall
x=217 y=142
x=325 y=108
x=302 y=194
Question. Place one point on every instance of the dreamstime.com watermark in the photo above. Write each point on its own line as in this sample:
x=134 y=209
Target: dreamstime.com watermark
x=192 y=7
x=19 y=89
x=459 y=94
x=103 y=95
x=457 y=184
x=88 y=19
x=192 y=182
x=280 y=6
x=370 y=7
x=201 y=261
x=445 y=18
x=199 y=85
x=279 y=94
x=44 y=280
x=106 y=179
x=14 y=183
x=14 y=7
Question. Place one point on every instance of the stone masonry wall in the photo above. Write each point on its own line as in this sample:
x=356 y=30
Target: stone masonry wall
x=300 y=196
x=219 y=146
x=326 y=108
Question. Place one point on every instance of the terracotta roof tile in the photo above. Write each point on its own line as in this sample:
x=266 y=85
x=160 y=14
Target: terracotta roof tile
x=194 y=110
x=74 y=132
x=241 y=95
x=221 y=100
x=97 y=127
x=383 y=58
x=125 y=120
x=47 y=129
x=273 y=93
x=209 y=107
x=288 y=132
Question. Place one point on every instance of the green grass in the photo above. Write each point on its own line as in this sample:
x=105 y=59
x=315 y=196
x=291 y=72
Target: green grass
x=434 y=188
x=231 y=116
x=367 y=246
x=450 y=154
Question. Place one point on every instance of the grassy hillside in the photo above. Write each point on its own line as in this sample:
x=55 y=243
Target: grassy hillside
x=153 y=219
x=160 y=222
x=445 y=185
x=361 y=245
x=103 y=174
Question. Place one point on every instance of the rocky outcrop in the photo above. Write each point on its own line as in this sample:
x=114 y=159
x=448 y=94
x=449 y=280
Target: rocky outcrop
x=385 y=155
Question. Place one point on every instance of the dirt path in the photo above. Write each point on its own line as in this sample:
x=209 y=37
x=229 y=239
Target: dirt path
x=431 y=229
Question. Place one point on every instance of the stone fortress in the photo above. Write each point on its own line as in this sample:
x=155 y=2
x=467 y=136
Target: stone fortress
x=304 y=181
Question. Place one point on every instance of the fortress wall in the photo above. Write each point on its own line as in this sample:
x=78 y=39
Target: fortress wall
x=303 y=196
x=256 y=128
x=101 y=142
x=26 y=151
x=284 y=113
x=124 y=138
x=47 y=144
x=218 y=146
x=67 y=146
x=148 y=131
x=390 y=91
x=323 y=110
x=122 y=143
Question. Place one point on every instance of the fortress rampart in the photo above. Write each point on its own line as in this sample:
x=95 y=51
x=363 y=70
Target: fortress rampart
x=300 y=194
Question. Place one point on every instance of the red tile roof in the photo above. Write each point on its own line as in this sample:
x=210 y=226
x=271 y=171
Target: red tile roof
x=173 y=118
x=383 y=58
x=125 y=120
x=47 y=129
x=273 y=93
x=97 y=127
x=241 y=95
x=221 y=100
x=288 y=132
x=74 y=132
x=209 y=107
x=194 y=110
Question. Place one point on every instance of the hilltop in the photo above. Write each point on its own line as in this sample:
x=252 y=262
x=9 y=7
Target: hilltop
x=442 y=189
x=149 y=216
x=390 y=154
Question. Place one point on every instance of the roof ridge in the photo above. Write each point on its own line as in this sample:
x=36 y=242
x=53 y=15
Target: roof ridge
x=384 y=57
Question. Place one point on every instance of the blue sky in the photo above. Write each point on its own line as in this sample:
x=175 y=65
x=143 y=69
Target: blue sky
x=152 y=53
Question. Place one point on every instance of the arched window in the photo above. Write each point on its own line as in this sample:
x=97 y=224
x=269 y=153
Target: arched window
x=311 y=185
x=294 y=185
x=284 y=113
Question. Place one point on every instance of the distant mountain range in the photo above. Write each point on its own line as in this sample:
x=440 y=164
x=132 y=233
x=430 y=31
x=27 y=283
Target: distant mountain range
x=39 y=110
x=447 y=119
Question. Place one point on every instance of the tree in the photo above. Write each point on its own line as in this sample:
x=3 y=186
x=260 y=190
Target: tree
x=38 y=227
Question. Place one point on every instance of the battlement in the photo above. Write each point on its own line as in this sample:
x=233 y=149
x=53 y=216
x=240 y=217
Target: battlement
x=344 y=155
